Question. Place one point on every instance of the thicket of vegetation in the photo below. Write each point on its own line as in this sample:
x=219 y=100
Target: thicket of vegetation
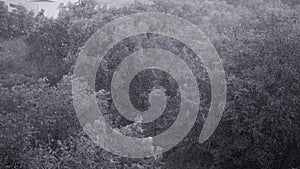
x=257 y=40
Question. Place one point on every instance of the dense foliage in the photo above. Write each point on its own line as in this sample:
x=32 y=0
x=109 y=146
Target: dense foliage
x=257 y=40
